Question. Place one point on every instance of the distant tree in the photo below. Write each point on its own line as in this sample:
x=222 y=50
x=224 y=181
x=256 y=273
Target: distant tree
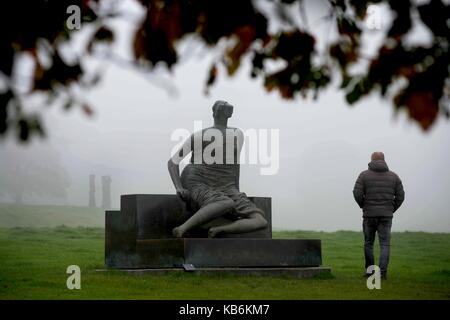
x=420 y=72
x=31 y=174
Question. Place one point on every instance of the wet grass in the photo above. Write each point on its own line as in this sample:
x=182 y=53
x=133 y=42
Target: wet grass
x=33 y=264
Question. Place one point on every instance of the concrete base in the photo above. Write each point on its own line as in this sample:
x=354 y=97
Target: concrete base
x=302 y=273
x=139 y=236
x=217 y=253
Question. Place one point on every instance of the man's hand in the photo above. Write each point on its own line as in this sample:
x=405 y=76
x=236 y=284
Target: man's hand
x=184 y=194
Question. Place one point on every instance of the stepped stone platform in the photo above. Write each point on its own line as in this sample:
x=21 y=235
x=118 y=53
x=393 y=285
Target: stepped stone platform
x=206 y=253
x=301 y=272
x=139 y=237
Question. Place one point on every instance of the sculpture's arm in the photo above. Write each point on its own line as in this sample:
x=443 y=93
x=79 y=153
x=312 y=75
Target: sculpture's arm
x=239 y=143
x=238 y=173
x=173 y=166
x=174 y=171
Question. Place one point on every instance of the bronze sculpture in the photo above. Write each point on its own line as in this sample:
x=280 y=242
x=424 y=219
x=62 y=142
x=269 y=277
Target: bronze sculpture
x=210 y=183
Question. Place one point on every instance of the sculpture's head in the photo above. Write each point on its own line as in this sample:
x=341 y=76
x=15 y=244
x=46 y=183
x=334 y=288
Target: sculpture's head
x=222 y=109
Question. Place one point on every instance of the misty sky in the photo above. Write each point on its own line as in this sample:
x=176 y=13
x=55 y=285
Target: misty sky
x=324 y=143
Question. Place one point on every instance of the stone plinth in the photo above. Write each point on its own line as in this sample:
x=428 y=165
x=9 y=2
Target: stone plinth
x=210 y=253
x=139 y=237
x=295 y=272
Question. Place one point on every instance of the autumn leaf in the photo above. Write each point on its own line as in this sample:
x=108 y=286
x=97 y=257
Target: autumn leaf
x=421 y=105
x=87 y=110
x=212 y=75
x=244 y=38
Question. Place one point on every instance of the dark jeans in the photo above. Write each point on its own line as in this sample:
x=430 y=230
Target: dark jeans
x=382 y=225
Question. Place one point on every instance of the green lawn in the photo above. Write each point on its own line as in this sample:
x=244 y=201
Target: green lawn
x=50 y=216
x=33 y=263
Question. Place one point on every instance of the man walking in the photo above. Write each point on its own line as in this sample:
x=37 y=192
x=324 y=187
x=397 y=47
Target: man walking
x=379 y=192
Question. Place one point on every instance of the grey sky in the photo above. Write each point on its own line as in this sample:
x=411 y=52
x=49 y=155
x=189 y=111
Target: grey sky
x=324 y=144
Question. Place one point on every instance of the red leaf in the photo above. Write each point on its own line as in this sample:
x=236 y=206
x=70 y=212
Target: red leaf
x=87 y=110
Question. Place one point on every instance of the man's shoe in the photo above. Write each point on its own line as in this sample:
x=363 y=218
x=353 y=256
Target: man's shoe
x=366 y=275
x=384 y=276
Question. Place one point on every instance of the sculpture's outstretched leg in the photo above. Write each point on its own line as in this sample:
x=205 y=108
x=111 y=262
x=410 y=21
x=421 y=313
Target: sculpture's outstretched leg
x=203 y=215
x=253 y=222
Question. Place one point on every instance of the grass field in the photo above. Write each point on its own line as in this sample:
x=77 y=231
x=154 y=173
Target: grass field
x=50 y=216
x=33 y=263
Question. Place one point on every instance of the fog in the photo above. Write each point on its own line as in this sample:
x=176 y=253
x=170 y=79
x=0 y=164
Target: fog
x=323 y=144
